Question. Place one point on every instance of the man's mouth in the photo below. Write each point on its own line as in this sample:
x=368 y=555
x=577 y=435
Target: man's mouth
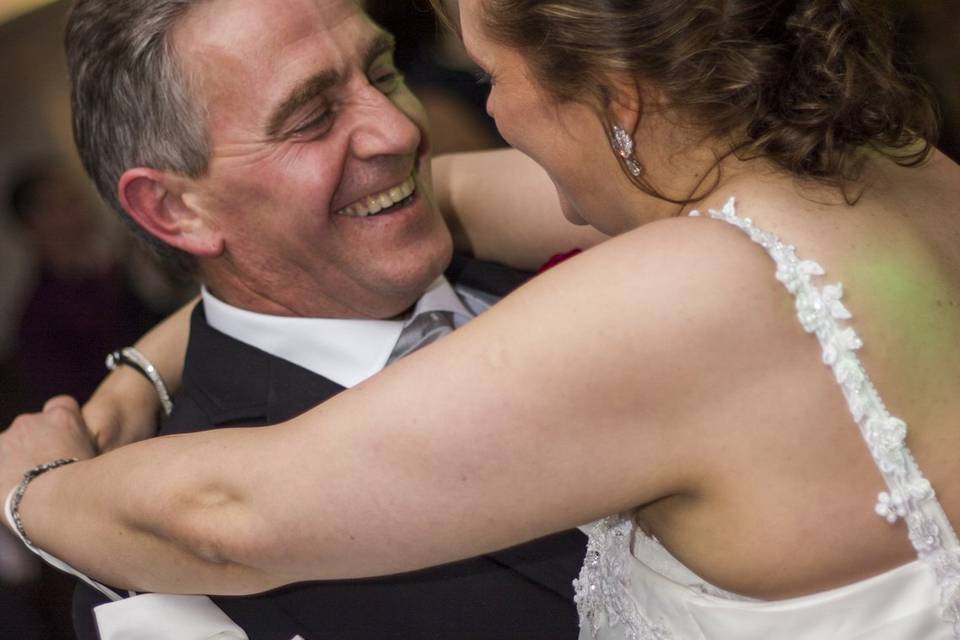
x=390 y=200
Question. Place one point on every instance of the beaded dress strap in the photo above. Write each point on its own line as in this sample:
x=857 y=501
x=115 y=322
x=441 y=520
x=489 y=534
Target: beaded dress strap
x=909 y=494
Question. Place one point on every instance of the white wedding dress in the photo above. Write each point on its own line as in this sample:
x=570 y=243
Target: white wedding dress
x=631 y=588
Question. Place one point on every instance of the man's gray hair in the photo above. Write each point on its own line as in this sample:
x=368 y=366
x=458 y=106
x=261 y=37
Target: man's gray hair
x=132 y=104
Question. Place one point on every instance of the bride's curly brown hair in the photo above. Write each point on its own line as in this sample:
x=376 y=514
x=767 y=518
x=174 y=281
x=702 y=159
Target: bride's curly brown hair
x=810 y=85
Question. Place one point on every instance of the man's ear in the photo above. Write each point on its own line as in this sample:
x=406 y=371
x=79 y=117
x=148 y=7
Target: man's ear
x=153 y=199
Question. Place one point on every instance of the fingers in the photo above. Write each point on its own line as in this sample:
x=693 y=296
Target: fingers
x=61 y=402
x=66 y=411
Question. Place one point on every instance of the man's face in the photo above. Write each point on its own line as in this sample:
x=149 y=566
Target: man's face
x=319 y=176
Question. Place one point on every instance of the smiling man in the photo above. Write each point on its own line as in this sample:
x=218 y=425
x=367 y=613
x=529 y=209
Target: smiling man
x=273 y=147
x=315 y=199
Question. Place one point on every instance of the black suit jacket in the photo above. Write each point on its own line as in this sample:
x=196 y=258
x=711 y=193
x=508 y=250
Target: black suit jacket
x=524 y=592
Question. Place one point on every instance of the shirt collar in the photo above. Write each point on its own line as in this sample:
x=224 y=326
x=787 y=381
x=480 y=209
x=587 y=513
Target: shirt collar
x=347 y=351
x=440 y=296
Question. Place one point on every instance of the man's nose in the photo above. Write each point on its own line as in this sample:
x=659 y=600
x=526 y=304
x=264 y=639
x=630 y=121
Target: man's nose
x=386 y=126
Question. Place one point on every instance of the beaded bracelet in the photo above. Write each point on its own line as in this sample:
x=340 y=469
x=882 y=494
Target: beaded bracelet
x=133 y=358
x=11 y=511
x=13 y=504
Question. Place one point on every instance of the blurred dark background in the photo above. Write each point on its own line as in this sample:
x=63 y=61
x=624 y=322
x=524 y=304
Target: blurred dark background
x=73 y=285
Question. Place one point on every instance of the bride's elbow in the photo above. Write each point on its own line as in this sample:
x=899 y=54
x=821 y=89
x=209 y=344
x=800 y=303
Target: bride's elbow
x=231 y=528
x=220 y=529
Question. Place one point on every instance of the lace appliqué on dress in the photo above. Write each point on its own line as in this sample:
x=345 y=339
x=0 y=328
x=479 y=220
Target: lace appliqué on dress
x=910 y=495
x=603 y=588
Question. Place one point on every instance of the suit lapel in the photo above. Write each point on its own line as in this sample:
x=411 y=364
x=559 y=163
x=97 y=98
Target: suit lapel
x=489 y=277
x=233 y=383
x=293 y=390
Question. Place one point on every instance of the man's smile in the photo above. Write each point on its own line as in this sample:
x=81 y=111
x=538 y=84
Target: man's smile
x=384 y=202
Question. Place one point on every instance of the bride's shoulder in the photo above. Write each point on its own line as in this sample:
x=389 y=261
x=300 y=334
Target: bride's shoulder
x=702 y=270
x=709 y=246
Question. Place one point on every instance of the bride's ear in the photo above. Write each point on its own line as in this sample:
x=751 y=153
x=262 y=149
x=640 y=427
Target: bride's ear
x=625 y=99
x=155 y=200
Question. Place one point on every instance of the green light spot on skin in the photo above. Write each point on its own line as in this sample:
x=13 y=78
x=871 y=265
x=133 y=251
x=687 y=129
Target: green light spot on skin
x=908 y=304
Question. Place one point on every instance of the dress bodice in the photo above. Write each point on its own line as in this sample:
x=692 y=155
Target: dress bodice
x=632 y=588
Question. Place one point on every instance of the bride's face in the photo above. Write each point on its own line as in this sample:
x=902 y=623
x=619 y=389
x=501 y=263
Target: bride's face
x=567 y=139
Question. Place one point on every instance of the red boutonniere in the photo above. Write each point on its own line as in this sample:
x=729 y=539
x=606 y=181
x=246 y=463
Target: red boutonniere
x=557 y=259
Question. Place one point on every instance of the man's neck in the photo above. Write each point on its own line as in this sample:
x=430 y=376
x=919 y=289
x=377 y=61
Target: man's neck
x=346 y=351
x=289 y=300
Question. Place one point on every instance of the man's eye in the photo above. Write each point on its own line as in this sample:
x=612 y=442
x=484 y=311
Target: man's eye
x=388 y=81
x=314 y=126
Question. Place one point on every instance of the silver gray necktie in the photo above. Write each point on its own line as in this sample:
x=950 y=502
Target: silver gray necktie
x=425 y=328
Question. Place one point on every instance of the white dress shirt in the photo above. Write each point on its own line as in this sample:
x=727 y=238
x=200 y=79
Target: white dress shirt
x=346 y=351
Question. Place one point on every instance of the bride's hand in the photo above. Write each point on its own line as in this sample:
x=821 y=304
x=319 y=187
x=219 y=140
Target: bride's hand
x=38 y=438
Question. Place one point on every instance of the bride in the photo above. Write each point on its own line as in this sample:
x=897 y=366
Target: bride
x=733 y=374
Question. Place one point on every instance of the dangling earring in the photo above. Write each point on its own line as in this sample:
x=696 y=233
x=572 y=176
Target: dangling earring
x=625 y=148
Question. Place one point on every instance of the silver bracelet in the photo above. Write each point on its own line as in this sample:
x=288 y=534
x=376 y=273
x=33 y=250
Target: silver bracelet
x=13 y=509
x=133 y=358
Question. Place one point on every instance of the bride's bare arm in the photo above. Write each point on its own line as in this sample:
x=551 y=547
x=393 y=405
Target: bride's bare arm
x=565 y=403
x=502 y=206
x=125 y=407
x=490 y=437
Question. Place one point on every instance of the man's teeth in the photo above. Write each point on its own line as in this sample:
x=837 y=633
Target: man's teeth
x=374 y=204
